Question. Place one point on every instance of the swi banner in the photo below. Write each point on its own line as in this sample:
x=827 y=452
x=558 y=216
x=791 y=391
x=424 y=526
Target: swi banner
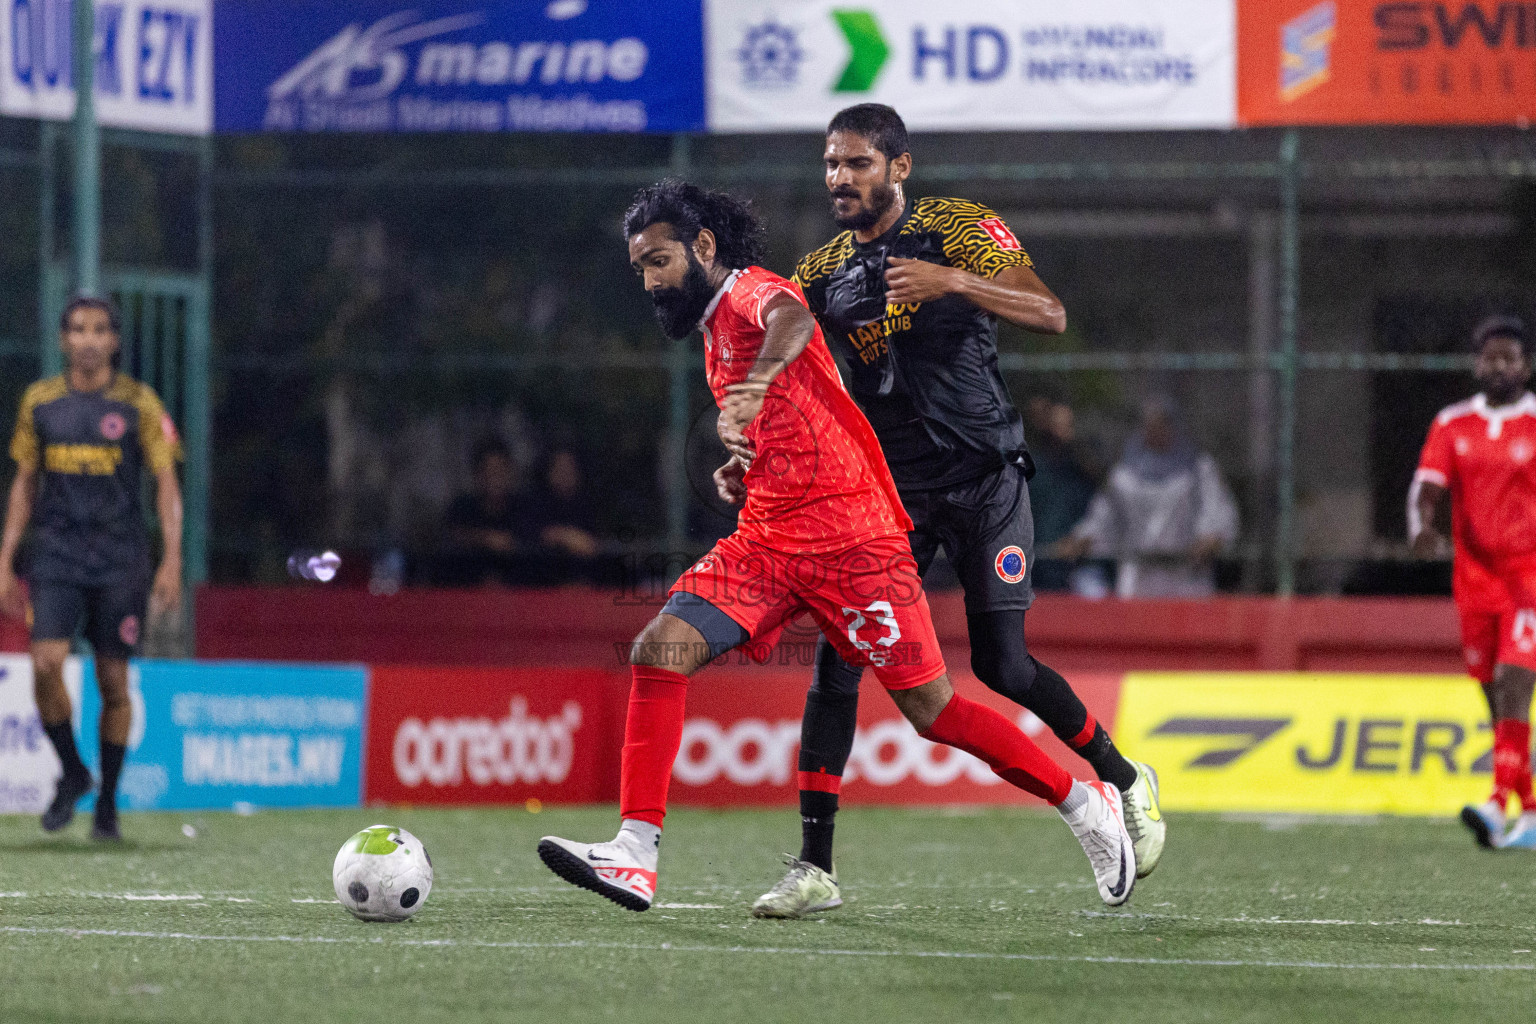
x=1363 y=62
x=154 y=62
x=1313 y=743
x=973 y=64
x=452 y=65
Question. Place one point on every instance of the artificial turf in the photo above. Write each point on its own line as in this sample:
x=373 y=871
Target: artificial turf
x=948 y=917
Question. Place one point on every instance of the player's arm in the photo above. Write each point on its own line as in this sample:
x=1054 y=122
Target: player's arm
x=1424 y=512
x=166 y=595
x=787 y=328
x=1014 y=293
x=18 y=512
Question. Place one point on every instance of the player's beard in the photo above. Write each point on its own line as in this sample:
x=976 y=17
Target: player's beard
x=679 y=309
x=882 y=196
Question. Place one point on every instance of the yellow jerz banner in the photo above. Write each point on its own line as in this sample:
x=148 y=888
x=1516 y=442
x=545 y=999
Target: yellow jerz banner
x=1309 y=742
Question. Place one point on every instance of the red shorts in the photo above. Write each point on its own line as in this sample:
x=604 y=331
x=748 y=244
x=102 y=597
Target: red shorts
x=867 y=600
x=1497 y=606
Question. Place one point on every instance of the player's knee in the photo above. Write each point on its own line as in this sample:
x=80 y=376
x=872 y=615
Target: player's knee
x=922 y=705
x=670 y=643
x=48 y=666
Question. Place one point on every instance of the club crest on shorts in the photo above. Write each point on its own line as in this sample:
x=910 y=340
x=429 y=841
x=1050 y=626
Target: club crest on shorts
x=113 y=426
x=1010 y=564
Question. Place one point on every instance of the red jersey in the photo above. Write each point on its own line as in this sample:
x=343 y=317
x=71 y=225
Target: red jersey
x=819 y=483
x=1486 y=458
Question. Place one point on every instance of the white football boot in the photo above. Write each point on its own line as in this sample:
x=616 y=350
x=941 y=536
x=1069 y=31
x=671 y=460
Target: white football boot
x=1487 y=822
x=1100 y=828
x=1144 y=819
x=806 y=889
x=623 y=870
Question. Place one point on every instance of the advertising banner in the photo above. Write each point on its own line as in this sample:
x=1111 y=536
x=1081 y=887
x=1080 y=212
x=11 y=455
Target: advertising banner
x=28 y=766
x=1309 y=743
x=494 y=735
x=452 y=65
x=742 y=737
x=1336 y=62
x=209 y=735
x=154 y=62
x=973 y=64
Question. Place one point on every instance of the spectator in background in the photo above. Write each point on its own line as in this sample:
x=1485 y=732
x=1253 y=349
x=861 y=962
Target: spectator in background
x=1164 y=513
x=562 y=520
x=1064 y=483
x=486 y=530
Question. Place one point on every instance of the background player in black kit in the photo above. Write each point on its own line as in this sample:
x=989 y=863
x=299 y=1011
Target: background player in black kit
x=82 y=442
x=909 y=295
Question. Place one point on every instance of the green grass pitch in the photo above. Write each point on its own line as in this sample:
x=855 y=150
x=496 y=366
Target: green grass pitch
x=949 y=917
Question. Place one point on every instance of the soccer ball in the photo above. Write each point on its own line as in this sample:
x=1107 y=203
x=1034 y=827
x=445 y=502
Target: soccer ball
x=382 y=874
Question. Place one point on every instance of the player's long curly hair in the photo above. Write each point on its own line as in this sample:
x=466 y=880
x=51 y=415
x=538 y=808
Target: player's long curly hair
x=740 y=238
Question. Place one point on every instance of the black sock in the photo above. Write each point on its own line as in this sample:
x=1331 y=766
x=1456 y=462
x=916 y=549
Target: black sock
x=111 y=766
x=817 y=813
x=1108 y=763
x=62 y=736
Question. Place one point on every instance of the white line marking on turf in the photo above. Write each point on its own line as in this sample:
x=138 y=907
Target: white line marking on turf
x=668 y=947
x=1426 y=921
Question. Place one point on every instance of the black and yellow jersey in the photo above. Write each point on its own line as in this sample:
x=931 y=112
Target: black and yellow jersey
x=925 y=373
x=91 y=449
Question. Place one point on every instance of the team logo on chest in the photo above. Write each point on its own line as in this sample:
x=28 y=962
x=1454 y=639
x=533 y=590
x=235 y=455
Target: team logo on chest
x=113 y=426
x=1010 y=564
x=1521 y=451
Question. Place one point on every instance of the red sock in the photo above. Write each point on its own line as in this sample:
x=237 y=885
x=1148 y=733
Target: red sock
x=653 y=731
x=1511 y=760
x=1517 y=738
x=977 y=729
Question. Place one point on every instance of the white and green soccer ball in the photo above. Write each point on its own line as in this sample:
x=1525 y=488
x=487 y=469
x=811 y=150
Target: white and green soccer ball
x=382 y=874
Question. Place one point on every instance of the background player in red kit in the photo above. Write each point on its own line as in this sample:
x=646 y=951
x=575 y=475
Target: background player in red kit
x=1481 y=453
x=821 y=531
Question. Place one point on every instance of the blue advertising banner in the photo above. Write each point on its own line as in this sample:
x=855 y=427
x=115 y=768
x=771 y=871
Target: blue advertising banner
x=208 y=735
x=455 y=66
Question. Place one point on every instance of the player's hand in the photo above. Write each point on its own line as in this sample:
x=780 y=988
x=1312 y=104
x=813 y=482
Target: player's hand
x=742 y=404
x=13 y=603
x=909 y=281
x=735 y=442
x=1430 y=543
x=165 y=595
x=730 y=482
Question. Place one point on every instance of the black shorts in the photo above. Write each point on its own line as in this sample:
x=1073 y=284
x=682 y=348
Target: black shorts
x=988 y=532
x=113 y=615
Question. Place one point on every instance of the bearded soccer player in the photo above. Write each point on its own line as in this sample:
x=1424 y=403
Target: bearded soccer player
x=910 y=294
x=82 y=442
x=821 y=530
x=1481 y=456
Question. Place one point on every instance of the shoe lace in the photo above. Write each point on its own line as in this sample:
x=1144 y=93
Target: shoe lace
x=798 y=870
x=1103 y=851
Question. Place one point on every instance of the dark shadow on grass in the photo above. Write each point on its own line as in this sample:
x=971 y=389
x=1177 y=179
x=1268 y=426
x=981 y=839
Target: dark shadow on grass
x=70 y=844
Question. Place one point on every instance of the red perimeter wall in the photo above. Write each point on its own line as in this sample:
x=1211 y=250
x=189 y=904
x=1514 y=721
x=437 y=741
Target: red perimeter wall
x=582 y=627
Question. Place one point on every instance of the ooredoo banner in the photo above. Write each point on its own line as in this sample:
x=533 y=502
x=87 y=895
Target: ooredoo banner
x=742 y=737
x=973 y=64
x=1362 y=62
x=28 y=767
x=493 y=735
x=1309 y=743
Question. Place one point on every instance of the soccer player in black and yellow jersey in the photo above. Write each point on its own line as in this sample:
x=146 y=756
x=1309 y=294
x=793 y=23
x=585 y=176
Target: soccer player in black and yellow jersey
x=82 y=441
x=909 y=294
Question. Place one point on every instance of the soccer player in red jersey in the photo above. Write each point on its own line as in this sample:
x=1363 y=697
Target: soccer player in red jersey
x=821 y=530
x=1481 y=454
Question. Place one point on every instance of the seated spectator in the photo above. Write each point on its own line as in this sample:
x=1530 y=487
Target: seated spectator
x=1064 y=483
x=1164 y=513
x=486 y=530
x=562 y=520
